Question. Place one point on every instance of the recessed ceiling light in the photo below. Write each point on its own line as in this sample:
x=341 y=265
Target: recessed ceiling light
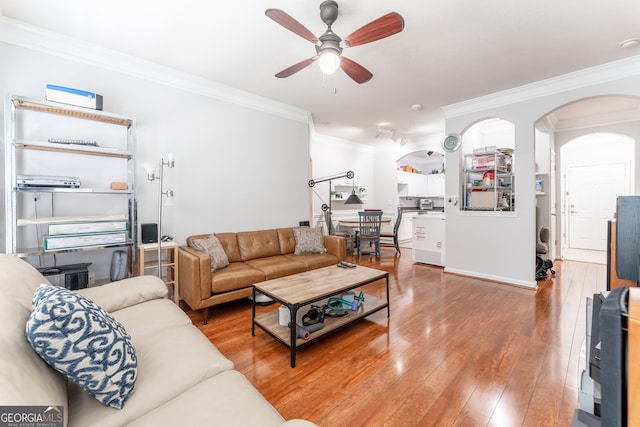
x=416 y=107
x=629 y=43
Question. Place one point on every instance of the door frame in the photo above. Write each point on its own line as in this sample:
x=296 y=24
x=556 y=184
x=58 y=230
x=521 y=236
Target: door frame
x=566 y=163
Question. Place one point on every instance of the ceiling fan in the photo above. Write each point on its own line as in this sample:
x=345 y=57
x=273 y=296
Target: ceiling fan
x=329 y=45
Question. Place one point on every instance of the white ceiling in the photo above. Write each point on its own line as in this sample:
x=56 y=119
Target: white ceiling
x=449 y=51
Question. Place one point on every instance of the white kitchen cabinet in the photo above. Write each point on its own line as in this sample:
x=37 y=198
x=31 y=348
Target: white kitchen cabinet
x=416 y=184
x=435 y=184
x=405 y=230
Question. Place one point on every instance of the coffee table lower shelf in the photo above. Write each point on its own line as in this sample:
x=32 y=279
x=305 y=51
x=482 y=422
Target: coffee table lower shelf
x=269 y=322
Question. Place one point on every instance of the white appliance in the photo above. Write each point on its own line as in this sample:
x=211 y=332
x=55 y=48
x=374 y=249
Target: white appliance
x=428 y=239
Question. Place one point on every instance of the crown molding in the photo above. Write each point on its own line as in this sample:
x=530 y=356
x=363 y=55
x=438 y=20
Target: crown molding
x=615 y=70
x=31 y=37
x=331 y=141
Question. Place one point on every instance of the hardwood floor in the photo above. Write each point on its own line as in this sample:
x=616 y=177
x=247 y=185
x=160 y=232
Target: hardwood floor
x=456 y=351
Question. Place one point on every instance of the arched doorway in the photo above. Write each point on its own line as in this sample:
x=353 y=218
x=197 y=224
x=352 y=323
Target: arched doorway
x=576 y=144
x=420 y=176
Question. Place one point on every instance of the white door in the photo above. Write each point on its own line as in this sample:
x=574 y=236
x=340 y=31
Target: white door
x=592 y=193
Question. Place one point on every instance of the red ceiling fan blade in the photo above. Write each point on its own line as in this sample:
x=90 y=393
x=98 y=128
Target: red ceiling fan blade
x=385 y=26
x=296 y=67
x=356 y=71
x=291 y=24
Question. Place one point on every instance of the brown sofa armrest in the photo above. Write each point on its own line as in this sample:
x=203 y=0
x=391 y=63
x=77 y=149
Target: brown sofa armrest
x=633 y=340
x=194 y=275
x=336 y=245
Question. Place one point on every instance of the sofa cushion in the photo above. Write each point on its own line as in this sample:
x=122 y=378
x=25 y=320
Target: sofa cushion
x=229 y=242
x=79 y=339
x=13 y=271
x=142 y=319
x=237 y=275
x=258 y=244
x=287 y=240
x=25 y=379
x=230 y=400
x=308 y=241
x=212 y=247
x=277 y=266
x=125 y=293
x=170 y=362
x=313 y=261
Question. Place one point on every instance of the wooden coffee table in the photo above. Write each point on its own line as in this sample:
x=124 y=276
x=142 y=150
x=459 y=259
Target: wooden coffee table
x=315 y=287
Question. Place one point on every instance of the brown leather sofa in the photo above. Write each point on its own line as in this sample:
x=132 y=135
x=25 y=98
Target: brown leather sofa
x=254 y=256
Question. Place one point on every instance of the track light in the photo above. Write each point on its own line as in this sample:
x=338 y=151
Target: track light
x=393 y=135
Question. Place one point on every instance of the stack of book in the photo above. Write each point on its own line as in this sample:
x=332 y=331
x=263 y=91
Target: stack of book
x=72 y=234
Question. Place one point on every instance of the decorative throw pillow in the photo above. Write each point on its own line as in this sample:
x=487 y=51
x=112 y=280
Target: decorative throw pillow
x=308 y=241
x=211 y=246
x=79 y=339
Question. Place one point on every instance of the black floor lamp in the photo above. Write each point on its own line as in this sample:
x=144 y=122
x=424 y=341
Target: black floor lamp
x=353 y=199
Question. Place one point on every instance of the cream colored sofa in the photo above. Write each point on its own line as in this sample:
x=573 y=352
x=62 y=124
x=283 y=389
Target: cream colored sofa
x=254 y=256
x=182 y=379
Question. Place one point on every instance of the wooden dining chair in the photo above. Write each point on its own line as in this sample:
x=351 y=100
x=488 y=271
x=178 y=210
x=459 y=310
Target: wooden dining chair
x=369 y=232
x=391 y=238
x=331 y=229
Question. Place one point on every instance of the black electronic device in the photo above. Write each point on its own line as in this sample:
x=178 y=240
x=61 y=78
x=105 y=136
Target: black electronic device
x=608 y=355
x=614 y=316
x=628 y=238
x=594 y=346
x=70 y=276
x=345 y=264
x=149 y=233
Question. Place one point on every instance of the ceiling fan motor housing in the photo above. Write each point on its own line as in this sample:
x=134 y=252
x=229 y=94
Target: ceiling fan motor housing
x=329 y=12
x=329 y=41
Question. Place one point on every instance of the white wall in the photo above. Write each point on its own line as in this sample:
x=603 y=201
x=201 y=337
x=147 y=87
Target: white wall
x=332 y=156
x=238 y=167
x=501 y=246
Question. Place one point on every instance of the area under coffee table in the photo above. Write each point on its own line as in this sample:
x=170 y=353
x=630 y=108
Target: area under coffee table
x=306 y=288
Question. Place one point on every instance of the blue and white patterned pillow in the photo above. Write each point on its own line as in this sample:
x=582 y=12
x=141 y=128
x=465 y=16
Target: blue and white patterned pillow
x=76 y=337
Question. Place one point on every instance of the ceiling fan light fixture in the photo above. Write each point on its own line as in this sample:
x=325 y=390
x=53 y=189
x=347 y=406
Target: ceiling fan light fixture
x=329 y=61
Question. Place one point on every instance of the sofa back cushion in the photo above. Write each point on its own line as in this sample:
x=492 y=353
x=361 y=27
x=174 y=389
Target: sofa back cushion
x=287 y=240
x=25 y=379
x=228 y=241
x=258 y=244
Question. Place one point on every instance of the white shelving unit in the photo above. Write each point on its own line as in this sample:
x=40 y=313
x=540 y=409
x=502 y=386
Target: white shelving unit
x=29 y=125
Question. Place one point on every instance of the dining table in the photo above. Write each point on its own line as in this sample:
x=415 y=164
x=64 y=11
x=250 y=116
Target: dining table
x=353 y=224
